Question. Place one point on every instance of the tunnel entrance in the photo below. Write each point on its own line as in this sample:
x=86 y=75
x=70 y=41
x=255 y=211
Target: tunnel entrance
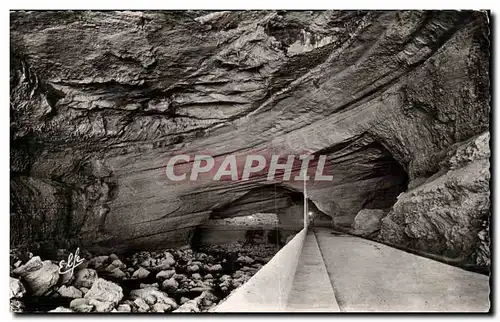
x=366 y=176
x=395 y=179
x=264 y=215
x=286 y=203
x=266 y=199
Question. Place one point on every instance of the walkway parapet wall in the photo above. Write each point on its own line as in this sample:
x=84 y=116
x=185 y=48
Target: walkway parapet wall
x=269 y=288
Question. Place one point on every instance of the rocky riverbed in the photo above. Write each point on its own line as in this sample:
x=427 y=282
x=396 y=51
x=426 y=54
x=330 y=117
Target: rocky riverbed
x=170 y=280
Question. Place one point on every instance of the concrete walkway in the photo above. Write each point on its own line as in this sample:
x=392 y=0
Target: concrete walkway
x=368 y=276
x=311 y=288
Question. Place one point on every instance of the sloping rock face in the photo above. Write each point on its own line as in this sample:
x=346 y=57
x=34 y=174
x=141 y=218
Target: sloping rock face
x=101 y=100
x=449 y=213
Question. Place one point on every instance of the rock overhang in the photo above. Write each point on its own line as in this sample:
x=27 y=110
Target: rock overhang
x=100 y=116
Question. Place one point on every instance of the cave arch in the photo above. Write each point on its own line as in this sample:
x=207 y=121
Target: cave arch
x=286 y=203
x=366 y=176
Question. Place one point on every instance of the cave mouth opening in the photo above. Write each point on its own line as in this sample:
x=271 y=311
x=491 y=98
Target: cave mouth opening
x=269 y=214
x=367 y=176
x=392 y=175
x=284 y=202
x=266 y=199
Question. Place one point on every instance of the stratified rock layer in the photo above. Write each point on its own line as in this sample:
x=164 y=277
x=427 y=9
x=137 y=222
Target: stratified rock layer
x=101 y=100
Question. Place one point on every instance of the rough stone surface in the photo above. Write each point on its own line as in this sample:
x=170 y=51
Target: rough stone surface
x=123 y=308
x=61 y=309
x=117 y=273
x=140 y=273
x=81 y=305
x=215 y=268
x=191 y=306
x=105 y=291
x=170 y=285
x=160 y=296
x=39 y=276
x=85 y=278
x=161 y=308
x=16 y=306
x=447 y=214
x=245 y=260
x=102 y=306
x=368 y=221
x=101 y=100
x=16 y=288
x=70 y=291
x=167 y=261
x=98 y=261
x=142 y=306
x=165 y=275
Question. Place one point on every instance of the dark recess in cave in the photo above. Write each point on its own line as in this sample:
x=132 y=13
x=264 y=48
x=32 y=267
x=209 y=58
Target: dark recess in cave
x=386 y=166
x=269 y=199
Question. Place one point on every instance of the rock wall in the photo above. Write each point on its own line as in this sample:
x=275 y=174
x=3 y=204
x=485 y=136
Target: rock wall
x=101 y=100
x=449 y=213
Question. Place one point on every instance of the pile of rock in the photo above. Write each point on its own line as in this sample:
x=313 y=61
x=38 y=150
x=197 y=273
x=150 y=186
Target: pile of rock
x=260 y=253
x=174 y=280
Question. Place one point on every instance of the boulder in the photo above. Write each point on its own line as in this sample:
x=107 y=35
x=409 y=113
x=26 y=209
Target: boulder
x=192 y=268
x=98 y=262
x=124 y=308
x=215 y=268
x=161 y=308
x=166 y=262
x=16 y=288
x=113 y=257
x=118 y=263
x=117 y=273
x=225 y=283
x=141 y=305
x=150 y=299
x=179 y=277
x=162 y=275
x=245 y=260
x=150 y=262
x=368 y=221
x=208 y=298
x=39 y=276
x=85 y=278
x=202 y=257
x=105 y=291
x=16 y=306
x=81 y=305
x=170 y=285
x=70 y=292
x=102 y=306
x=114 y=265
x=201 y=289
x=191 y=306
x=140 y=273
x=160 y=296
x=61 y=309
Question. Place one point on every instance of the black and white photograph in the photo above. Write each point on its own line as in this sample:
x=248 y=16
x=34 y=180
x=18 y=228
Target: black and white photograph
x=250 y=161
